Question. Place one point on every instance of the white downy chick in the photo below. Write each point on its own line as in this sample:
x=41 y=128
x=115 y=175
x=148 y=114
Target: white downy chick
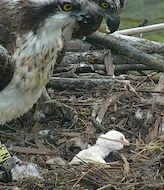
x=106 y=143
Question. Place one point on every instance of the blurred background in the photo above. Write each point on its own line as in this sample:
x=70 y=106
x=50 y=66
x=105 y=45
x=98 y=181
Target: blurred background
x=144 y=12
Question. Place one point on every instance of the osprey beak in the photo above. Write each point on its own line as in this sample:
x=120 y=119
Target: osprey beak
x=88 y=22
x=125 y=142
x=113 y=24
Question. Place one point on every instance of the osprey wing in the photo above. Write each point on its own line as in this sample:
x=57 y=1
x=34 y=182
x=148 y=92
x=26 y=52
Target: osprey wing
x=7 y=38
x=7 y=44
x=6 y=68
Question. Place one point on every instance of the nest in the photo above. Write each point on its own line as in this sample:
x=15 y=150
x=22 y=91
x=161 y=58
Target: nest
x=139 y=166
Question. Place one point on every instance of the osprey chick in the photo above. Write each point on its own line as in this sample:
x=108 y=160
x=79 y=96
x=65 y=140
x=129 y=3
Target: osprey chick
x=40 y=27
x=106 y=143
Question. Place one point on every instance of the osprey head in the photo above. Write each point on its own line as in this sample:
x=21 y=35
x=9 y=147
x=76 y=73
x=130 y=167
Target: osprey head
x=64 y=14
x=108 y=8
x=87 y=20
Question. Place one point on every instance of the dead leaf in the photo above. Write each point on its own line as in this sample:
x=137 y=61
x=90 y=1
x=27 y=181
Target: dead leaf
x=108 y=102
x=160 y=86
x=153 y=131
x=109 y=63
x=39 y=144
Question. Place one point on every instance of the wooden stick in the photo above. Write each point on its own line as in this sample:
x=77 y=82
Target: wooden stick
x=115 y=43
x=144 y=29
x=140 y=43
x=79 y=83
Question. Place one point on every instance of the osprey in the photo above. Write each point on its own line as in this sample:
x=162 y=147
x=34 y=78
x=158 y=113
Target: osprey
x=40 y=28
x=109 y=9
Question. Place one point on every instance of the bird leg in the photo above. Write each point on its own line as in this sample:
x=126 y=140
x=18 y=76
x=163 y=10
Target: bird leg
x=67 y=113
x=46 y=106
x=46 y=95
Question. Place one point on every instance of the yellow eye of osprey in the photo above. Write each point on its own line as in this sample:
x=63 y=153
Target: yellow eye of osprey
x=67 y=7
x=105 y=5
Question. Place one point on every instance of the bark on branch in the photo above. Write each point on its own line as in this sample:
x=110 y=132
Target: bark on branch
x=78 y=83
x=140 y=43
x=113 y=42
x=96 y=57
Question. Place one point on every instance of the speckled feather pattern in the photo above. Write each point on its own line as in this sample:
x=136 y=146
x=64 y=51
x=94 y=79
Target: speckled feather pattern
x=34 y=56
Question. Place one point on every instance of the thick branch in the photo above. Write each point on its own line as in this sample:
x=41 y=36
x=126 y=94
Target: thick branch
x=96 y=57
x=140 y=43
x=93 y=57
x=78 y=83
x=96 y=68
x=115 y=43
x=78 y=46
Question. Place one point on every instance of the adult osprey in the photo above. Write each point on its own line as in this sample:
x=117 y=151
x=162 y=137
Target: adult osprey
x=109 y=9
x=40 y=28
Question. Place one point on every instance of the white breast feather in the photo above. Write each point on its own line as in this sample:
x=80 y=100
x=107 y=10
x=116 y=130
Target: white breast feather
x=20 y=95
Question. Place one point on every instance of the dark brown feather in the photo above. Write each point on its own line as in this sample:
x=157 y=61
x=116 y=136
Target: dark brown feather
x=6 y=68
x=23 y=17
x=7 y=46
x=88 y=25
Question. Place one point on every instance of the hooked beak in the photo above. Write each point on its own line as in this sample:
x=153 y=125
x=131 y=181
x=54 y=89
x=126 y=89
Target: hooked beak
x=113 y=24
x=112 y=18
x=88 y=22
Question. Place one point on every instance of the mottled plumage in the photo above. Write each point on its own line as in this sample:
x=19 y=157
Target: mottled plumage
x=33 y=32
x=40 y=28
